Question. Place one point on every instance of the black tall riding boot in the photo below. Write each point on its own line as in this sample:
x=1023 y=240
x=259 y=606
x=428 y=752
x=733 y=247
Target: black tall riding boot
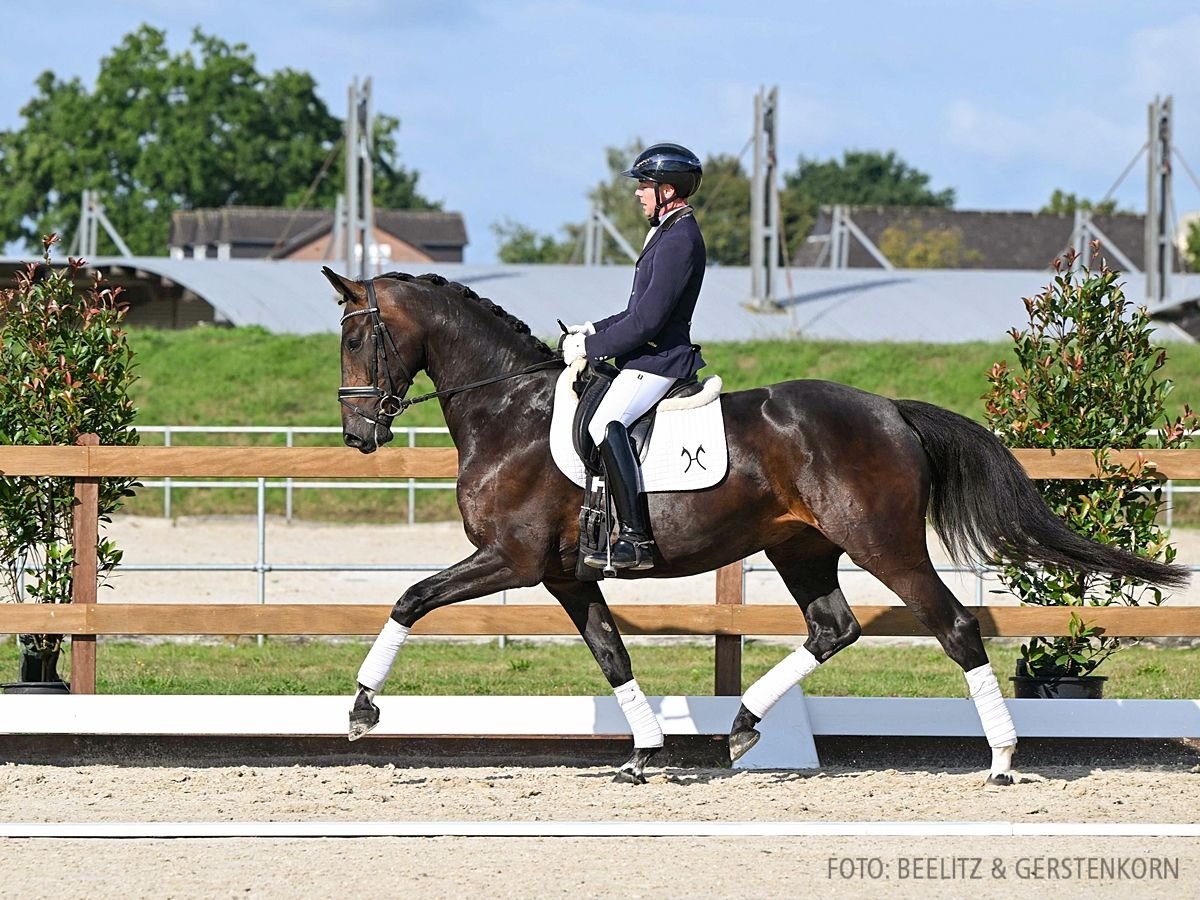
x=634 y=546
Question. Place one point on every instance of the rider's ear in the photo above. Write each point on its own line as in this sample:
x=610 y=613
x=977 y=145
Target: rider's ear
x=351 y=291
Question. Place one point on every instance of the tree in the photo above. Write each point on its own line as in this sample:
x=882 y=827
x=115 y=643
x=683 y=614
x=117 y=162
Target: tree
x=865 y=178
x=722 y=206
x=910 y=245
x=521 y=244
x=1191 y=249
x=160 y=132
x=1063 y=202
x=723 y=203
x=862 y=178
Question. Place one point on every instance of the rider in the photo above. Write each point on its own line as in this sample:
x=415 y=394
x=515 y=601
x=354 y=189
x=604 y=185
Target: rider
x=650 y=339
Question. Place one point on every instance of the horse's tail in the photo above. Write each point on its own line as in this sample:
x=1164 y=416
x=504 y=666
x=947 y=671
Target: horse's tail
x=981 y=501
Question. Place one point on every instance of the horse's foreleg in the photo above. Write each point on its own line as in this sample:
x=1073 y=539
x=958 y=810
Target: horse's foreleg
x=831 y=627
x=584 y=603
x=484 y=572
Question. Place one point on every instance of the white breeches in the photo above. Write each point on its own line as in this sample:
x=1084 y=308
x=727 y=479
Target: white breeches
x=632 y=394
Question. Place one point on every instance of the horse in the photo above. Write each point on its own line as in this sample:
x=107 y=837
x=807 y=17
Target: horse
x=816 y=470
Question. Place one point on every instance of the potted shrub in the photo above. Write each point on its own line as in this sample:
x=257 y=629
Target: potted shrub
x=65 y=370
x=1087 y=374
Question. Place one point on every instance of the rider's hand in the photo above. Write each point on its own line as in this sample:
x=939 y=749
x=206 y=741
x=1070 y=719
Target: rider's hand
x=585 y=328
x=573 y=347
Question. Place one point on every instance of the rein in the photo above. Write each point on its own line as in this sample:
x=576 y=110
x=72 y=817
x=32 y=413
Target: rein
x=392 y=402
x=528 y=370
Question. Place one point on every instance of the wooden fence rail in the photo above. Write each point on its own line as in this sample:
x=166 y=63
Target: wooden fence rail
x=727 y=620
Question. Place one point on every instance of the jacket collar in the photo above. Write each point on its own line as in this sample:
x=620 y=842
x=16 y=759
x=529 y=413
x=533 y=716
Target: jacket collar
x=673 y=217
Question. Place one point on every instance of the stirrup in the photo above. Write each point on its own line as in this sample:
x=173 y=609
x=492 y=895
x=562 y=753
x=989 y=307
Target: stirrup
x=635 y=555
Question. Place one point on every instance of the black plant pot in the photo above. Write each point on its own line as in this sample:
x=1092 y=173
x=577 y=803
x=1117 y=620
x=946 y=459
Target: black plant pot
x=39 y=667
x=37 y=687
x=1064 y=687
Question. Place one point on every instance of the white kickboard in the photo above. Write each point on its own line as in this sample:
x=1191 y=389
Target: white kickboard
x=787 y=737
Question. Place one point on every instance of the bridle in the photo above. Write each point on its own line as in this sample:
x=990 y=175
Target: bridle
x=390 y=401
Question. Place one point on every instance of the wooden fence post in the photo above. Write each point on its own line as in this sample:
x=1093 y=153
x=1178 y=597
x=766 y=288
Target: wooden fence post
x=727 y=680
x=85 y=529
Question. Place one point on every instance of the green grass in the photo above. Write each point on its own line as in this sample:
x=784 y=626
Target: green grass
x=566 y=668
x=247 y=376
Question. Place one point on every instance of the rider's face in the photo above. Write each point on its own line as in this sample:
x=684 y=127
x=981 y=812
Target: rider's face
x=645 y=195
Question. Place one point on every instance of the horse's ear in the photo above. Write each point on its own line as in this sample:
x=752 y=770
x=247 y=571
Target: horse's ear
x=351 y=291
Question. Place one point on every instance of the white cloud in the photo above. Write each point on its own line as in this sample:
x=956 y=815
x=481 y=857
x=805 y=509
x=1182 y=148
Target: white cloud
x=1075 y=136
x=1164 y=60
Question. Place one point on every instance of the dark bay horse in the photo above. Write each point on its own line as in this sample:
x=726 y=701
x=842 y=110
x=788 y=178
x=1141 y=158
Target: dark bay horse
x=816 y=470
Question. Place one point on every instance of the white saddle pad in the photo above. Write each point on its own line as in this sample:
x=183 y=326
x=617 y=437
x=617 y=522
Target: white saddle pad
x=687 y=449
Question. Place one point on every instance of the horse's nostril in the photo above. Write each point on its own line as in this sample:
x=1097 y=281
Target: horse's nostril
x=351 y=440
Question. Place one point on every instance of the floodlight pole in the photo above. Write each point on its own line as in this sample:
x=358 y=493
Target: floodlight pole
x=764 y=203
x=1160 y=246
x=359 y=209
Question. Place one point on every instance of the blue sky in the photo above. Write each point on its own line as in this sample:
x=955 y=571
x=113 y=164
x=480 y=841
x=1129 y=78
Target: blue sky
x=507 y=107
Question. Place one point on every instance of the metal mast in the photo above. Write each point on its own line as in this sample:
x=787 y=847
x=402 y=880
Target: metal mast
x=358 y=234
x=764 y=203
x=1160 y=247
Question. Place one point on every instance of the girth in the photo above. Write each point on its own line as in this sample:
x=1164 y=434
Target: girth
x=591 y=386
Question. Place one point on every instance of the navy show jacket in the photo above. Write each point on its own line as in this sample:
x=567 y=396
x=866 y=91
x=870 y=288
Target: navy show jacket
x=653 y=334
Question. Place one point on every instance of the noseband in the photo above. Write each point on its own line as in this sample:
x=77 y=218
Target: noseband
x=390 y=401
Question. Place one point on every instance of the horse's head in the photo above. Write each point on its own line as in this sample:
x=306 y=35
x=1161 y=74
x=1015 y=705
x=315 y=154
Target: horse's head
x=381 y=353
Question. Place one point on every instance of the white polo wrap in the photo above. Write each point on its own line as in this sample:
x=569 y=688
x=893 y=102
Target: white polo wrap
x=647 y=732
x=993 y=712
x=374 y=670
x=765 y=692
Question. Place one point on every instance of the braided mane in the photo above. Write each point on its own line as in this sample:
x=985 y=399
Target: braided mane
x=499 y=312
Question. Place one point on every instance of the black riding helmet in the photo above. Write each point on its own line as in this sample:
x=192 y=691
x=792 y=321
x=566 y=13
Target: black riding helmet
x=668 y=164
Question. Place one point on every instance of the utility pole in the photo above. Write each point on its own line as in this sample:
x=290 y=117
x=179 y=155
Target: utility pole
x=358 y=209
x=764 y=203
x=1160 y=246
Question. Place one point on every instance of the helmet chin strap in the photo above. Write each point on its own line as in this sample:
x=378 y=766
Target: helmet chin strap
x=659 y=203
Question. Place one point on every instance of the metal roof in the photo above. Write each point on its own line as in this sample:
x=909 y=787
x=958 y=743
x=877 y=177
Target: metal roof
x=935 y=305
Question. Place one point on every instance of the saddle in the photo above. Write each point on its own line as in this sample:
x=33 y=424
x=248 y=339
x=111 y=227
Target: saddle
x=591 y=386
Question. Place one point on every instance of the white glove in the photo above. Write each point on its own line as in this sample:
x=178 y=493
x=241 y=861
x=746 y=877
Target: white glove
x=573 y=347
x=585 y=328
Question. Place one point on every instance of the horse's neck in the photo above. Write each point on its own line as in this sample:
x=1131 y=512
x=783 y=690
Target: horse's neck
x=456 y=357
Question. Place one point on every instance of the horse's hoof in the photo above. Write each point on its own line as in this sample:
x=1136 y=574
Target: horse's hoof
x=631 y=772
x=1004 y=779
x=364 y=716
x=740 y=743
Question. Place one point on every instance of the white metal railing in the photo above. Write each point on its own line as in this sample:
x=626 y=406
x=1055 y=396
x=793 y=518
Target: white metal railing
x=289 y=485
x=262 y=565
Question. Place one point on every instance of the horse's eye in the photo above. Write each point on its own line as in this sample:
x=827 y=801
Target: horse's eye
x=354 y=343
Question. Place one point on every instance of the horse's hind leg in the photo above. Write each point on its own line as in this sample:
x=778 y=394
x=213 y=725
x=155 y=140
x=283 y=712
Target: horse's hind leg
x=958 y=632
x=584 y=603
x=810 y=574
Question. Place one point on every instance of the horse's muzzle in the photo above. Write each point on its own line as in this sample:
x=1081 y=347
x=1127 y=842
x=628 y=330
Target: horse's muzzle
x=365 y=434
x=363 y=445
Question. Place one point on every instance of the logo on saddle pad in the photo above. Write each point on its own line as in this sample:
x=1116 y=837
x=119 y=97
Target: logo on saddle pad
x=686 y=449
x=693 y=458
